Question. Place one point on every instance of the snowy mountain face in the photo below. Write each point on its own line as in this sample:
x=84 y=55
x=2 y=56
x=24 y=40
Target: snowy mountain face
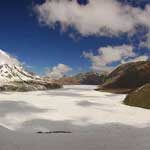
x=14 y=73
x=13 y=76
x=12 y=70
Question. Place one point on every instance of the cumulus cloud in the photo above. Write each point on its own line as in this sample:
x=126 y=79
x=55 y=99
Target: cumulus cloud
x=146 y=42
x=138 y=58
x=5 y=58
x=109 y=55
x=98 y=17
x=58 y=71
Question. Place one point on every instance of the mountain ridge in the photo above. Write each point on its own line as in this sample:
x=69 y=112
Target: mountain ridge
x=128 y=76
x=15 y=73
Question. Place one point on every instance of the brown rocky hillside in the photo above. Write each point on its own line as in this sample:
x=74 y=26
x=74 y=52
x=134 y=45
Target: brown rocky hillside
x=128 y=76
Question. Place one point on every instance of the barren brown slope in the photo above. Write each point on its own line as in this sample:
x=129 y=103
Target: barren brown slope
x=128 y=76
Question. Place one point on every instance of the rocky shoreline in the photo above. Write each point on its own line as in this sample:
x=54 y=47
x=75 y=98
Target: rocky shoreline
x=31 y=85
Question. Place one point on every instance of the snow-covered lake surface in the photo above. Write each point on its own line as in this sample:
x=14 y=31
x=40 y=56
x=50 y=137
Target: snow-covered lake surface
x=96 y=120
x=71 y=106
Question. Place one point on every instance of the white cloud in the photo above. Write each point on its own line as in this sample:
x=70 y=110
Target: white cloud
x=98 y=17
x=146 y=42
x=5 y=58
x=58 y=71
x=138 y=58
x=108 y=55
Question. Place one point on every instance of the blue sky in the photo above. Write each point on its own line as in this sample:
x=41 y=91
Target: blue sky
x=40 y=46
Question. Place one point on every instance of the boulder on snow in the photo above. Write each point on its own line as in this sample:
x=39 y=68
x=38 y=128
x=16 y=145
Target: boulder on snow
x=140 y=97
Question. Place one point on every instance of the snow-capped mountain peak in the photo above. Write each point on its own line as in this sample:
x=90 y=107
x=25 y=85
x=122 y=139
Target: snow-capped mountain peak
x=14 y=73
x=12 y=70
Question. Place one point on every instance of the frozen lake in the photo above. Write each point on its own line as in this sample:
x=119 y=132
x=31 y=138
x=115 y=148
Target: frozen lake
x=96 y=120
x=73 y=105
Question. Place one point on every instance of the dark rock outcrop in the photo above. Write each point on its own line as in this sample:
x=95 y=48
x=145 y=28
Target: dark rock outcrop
x=93 y=79
x=140 y=97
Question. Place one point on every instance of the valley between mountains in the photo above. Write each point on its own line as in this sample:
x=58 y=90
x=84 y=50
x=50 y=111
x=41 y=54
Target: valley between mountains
x=42 y=113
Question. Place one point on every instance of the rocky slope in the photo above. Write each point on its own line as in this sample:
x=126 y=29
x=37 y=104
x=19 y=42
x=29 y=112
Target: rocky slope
x=132 y=78
x=128 y=76
x=140 y=97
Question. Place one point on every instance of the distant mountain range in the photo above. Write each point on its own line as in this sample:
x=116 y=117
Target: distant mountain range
x=88 y=78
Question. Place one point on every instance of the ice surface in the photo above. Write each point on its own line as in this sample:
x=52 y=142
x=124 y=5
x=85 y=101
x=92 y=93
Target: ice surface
x=76 y=104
